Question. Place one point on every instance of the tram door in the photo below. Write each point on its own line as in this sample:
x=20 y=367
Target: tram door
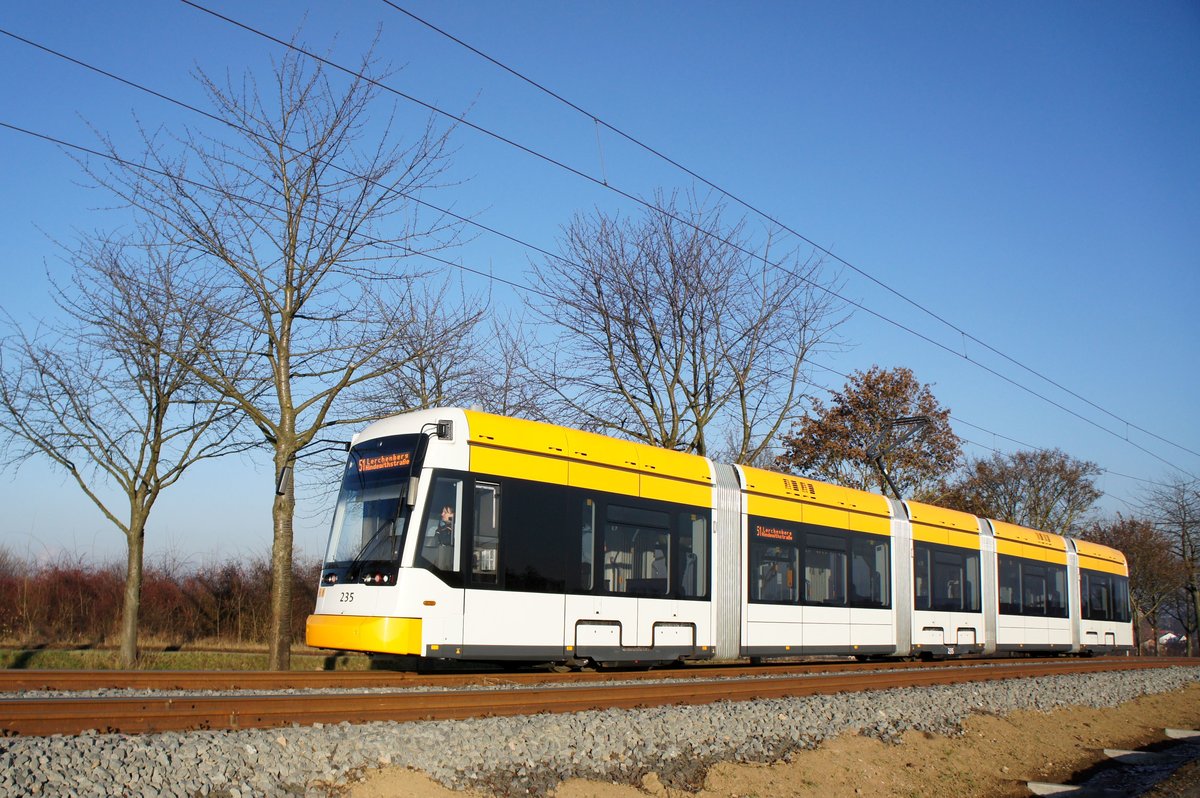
x=611 y=621
x=629 y=561
x=637 y=545
x=522 y=620
x=441 y=539
x=947 y=596
x=623 y=561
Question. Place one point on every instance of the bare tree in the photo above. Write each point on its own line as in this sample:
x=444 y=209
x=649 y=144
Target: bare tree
x=506 y=386
x=1156 y=573
x=1182 y=611
x=668 y=330
x=1045 y=489
x=111 y=398
x=833 y=442
x=1174 y=508
x=304 y=219
x=442 y=369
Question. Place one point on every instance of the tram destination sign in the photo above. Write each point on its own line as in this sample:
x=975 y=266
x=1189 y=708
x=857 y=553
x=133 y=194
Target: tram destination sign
x=395 y=460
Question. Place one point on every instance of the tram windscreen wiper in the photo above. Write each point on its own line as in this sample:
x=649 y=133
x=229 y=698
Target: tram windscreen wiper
x=390 y=523
x=370 y=544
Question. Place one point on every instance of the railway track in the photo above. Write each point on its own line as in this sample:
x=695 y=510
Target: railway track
x=13 y=681
x=505 y=696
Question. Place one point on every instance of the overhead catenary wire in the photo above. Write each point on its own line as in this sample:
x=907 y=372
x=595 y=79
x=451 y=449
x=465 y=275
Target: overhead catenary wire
x=220 y=120
x=993 y=433
x=491 y=230
x=783 y=226
x=522 y=287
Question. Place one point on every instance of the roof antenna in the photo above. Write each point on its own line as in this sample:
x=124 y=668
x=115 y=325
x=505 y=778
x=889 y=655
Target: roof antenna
x=910 y=426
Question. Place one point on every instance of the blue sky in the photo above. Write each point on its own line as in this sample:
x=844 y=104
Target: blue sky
x=1028 y=171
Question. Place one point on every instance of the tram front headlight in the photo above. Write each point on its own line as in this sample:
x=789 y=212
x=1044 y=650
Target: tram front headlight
x=376 y=578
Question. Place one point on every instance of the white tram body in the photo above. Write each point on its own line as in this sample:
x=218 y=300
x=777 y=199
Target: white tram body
x=464 y=535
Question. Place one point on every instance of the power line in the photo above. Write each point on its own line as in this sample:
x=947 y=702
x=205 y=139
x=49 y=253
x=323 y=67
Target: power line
x=462 y=267
x=783 y=226
x=521 y=242
x=221 y=120
x=993 y=433
x=1107 y=471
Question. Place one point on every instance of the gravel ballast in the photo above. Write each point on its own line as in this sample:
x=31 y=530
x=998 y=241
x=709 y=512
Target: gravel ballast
x=530 y=755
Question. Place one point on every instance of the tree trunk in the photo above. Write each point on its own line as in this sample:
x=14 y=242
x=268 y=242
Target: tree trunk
x=1193 y=630
x=282 y=512
x=1137 y=631
x=133 y=594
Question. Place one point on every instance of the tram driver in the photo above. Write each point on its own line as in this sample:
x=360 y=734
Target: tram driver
x=445 y=538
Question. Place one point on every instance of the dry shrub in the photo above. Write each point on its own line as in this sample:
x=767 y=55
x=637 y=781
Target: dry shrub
x=80 y=604
x=64 y=602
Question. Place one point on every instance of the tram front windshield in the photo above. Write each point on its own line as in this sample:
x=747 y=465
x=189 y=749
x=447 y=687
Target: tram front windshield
x=372 y=513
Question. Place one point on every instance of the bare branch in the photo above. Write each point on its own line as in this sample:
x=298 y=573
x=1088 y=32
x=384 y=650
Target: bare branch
x=666 y=331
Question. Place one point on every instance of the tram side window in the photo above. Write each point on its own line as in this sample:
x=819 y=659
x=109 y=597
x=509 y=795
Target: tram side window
x=1041 y=597
x=1056 y=599
x=1032 y=588
x=946 y=579
x=442 y=532
x=637 y=549
x=693 y=555
x=1033 y=584
x=587 y=545
x=1121 y=610
x=1105 y=597
x=538 y=530
x=824 y=570
x=486 y=542
x=1085 y=593
x=1099 y=599
x=773 y=570
x=973 y=592
x=921 y=577
x=1010 y=585
x=870 y=572
x=956 y=581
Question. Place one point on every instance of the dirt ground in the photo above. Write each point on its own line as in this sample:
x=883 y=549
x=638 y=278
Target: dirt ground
x=995 y=757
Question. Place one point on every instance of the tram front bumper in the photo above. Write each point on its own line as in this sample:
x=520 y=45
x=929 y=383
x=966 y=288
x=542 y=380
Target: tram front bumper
x=364 y=633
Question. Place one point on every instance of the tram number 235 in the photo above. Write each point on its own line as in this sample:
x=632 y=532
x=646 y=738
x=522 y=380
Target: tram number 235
x=345 y=596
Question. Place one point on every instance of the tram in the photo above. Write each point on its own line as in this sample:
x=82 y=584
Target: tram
x=464 y=535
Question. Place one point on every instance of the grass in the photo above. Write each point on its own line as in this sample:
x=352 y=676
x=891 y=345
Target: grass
x=208 y=658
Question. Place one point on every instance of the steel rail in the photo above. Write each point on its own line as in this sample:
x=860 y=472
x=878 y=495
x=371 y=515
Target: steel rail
x=178 y=713
x=13 y=681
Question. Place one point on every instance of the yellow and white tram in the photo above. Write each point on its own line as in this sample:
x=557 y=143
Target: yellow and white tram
x=464 y=535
